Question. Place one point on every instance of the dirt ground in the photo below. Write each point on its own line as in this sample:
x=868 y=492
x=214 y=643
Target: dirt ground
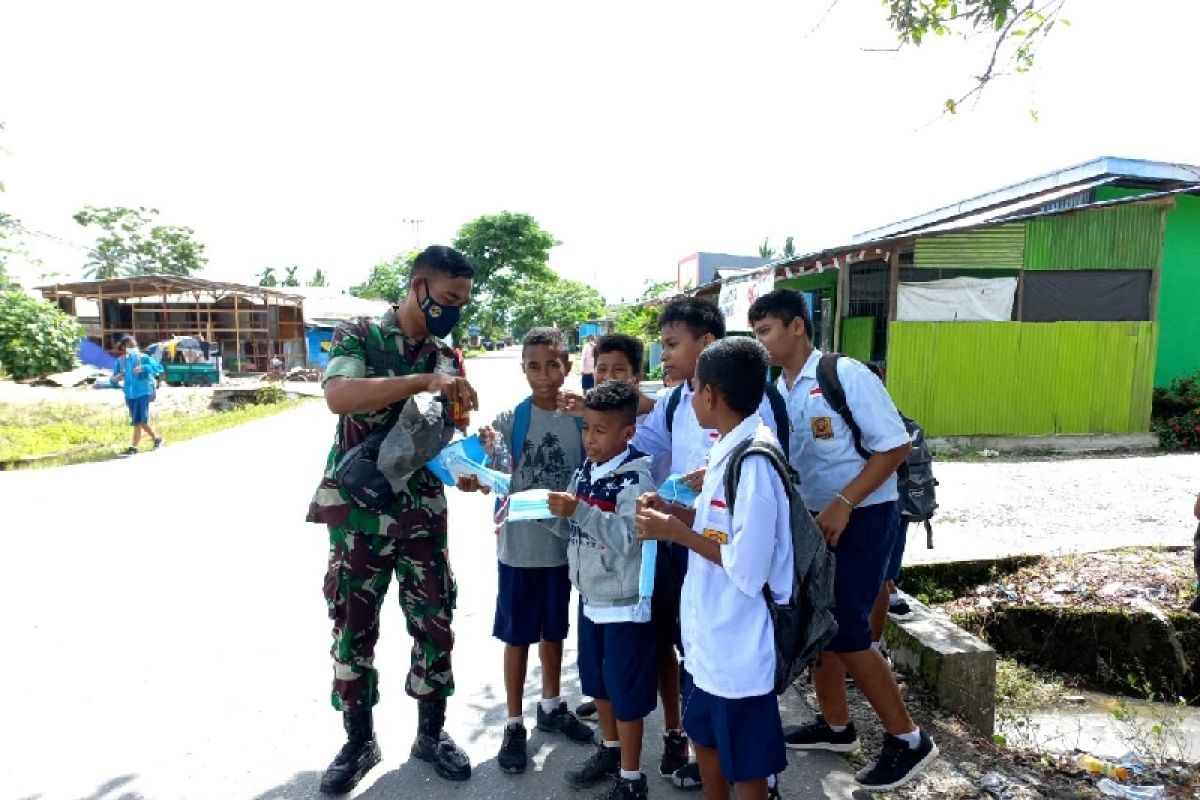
x=1116 y=579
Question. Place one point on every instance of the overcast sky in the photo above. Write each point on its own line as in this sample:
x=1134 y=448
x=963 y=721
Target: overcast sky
x=636 y=133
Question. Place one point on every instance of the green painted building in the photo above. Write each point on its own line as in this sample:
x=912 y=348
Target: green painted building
x=1054 y=306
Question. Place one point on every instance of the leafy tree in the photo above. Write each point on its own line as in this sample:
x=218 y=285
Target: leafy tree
x=131 y=244
x=267 y=277
x=388 y=279
x=765 y=250
x=554 y=302
x=36 y=337
x=318 y=278
x=291 y=279
x=640 y=318
x=507 y=250
x=10 y=246
x=1018 y=29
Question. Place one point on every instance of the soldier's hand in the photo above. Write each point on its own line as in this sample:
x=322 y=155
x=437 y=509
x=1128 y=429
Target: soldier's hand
x=563 y=504
x=455 y=390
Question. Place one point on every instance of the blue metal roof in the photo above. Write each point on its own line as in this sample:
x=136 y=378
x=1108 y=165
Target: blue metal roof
x=1091 y=172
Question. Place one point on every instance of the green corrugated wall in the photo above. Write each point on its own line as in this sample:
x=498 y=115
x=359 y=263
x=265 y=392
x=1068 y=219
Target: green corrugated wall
x=1122 y=237
x=1023 y=379
x=1000 y=247
x=858 y=338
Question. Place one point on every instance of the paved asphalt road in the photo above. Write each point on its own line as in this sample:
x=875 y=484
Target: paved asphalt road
x=165 y=634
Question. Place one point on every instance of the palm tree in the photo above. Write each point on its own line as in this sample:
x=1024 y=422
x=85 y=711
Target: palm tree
x=267 y=277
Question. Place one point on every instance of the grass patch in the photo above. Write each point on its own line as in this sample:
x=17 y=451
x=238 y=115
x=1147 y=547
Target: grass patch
x=53 y=434
x=472 y=352
x=1018 y=686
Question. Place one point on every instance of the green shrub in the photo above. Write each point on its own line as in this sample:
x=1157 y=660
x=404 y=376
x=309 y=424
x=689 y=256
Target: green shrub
x=270 y=396
x=36 y=337
x=1175 y=417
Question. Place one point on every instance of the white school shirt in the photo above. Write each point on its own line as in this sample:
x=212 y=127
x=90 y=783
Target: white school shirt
x=686 y=444
x=727 y=632
x=822 y=447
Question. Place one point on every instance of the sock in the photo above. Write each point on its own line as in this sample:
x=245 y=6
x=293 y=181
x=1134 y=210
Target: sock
x=772 y=780
x=912 y=739
x=629 y=775
x=612 y=745
x=894 y=597
x=877 y=646
x=838 y=728
x=516 y=722
x=550 y=703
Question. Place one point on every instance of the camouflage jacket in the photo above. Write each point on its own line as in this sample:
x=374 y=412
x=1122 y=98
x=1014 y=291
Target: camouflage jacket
x=379 y=348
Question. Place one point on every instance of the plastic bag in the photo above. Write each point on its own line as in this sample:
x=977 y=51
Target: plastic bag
x=674 y=490
x=1114 y=789
x=531 y=504
x=419 y=434
x=466 y=458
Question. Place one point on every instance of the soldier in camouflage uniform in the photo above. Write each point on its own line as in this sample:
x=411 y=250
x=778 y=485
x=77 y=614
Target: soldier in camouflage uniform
x=374 y=367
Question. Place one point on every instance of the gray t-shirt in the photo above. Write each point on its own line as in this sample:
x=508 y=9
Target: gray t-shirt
x=553 y=451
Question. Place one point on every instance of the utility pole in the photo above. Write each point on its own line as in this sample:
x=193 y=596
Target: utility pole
x=416 y=229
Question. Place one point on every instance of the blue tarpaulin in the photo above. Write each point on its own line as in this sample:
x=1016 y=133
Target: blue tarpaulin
x=94 y=355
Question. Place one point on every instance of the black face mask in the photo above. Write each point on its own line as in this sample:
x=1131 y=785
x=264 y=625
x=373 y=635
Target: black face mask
x=439 y=319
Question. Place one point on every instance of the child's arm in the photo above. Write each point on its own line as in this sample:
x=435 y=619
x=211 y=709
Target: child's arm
x=658 y=526
x=613 y=529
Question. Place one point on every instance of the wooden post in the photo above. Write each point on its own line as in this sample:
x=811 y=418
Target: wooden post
x=1021 y=295
x=893 y=283
x=100 y=301
x=237 y=332
x=843 y=290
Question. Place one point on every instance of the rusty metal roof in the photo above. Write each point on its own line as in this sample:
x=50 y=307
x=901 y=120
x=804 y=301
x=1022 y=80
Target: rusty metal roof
x=158 y=285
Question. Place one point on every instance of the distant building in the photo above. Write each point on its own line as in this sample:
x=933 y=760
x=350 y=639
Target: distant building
x=700 y=269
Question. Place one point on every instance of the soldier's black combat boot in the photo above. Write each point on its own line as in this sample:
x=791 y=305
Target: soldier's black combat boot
x=435 y=745
x=357 y=756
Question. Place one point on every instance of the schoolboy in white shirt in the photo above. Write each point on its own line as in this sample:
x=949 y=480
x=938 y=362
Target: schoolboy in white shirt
x=854 y=502
x=730 y=710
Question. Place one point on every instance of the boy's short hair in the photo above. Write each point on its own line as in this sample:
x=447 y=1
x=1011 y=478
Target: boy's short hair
x=785 y=305
x=550 y=337
x=442 y=260
x=631 y=346
x=698 y=316
x=615 y=397
x=737 y=367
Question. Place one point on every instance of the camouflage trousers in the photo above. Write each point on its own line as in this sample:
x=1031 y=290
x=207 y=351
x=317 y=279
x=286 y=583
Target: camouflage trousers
x=360 y=569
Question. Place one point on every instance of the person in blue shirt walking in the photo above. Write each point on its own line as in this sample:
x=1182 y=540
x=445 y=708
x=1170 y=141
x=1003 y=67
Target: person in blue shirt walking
x=136 y=372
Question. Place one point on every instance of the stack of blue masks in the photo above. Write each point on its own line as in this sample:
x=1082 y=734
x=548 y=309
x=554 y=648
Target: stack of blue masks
x=466 y=458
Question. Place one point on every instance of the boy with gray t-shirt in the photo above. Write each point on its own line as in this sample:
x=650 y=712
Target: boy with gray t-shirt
x=533 y=602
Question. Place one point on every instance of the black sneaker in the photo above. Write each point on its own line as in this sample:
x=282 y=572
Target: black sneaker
x=561 y=720
x=773 y=791
x=512 y=758
x=897 y=763
x=688 y=778
x=818 y=735
x=158 y=442
x=603 y=764
x=625 y=789
x=899 y=609
x=129 y=451
x=586 y=710
x=675 y=754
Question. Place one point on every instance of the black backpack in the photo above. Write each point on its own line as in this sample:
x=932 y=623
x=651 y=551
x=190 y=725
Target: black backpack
x=914 y=478
x=783 y=423
x=805 y=625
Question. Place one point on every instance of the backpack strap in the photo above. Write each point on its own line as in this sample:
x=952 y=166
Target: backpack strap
x=783 y=423
x=835 y=395
x=673 y=405
x=754 y=447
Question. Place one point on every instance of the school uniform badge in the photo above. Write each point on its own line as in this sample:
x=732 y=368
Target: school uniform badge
x=822 y=427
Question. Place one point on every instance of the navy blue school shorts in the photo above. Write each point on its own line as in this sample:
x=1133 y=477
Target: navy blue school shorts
x=139 y=409
x=533 y=603
x=747 y=733
x=897 y=559
x=618 y=662
x=863 y=555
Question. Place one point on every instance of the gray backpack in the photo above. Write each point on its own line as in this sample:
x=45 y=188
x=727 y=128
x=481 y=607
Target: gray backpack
x=804 y=625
